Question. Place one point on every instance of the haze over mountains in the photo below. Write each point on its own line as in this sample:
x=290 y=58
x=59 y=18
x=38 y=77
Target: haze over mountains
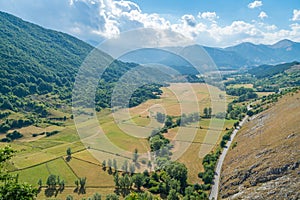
x=282 y=51
x=45 y=74
x=243 y=55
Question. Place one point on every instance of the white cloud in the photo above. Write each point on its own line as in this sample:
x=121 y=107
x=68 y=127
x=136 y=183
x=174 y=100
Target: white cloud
x=262 y=15
x=189 y=20
x=271 y=27
x=96 y=20
x=296 y=15
x=211 y=16
x=255 y=4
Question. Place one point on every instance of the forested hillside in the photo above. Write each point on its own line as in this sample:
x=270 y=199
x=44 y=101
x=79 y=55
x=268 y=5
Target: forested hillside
x=35 y=61
x=268 y=78
x=264 y=71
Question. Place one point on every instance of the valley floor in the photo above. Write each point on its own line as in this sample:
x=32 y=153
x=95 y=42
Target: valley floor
x=40 y=156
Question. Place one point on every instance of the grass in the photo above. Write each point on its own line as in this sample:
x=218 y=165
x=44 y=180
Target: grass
x=130 y=131
x=44 y=144
x=124 y=132
x=123 y=140
x=57 y=167
x=68 y=134
x=86 y=155
x=97 y=179
x=204 y=141
x=61 y=149
x=182 y=98
x=32 y=175
x=268 y=141
x=42 y=150
x=70 y=191
x=60 y=167
x=241 y=85
x=94 y=173
x=141 y=121
x=54 y=113
x=32 y=158
x=261 y=94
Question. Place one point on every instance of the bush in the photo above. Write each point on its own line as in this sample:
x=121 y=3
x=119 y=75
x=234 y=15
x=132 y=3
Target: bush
x=48 y=134
x=226 y=137
x=200 y=175
x=154 y=189
x=14 y=135
x=5 y=140
x=4 y=114
x=208 y=176
x=4 y=128
x=153 y=183
x=223 y=144
x=250 y=113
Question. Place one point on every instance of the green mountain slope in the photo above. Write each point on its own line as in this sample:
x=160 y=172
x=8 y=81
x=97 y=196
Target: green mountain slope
x=31 y=52
x=35 y=61
x=270 y=70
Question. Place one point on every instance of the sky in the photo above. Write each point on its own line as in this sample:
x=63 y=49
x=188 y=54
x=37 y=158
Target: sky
x=217 y=23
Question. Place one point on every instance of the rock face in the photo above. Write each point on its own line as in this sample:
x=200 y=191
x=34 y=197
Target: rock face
x=265 y=164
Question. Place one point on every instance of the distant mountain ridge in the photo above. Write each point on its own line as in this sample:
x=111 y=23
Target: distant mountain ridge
x=244 y=55
x=280 y=52
x=247 y=55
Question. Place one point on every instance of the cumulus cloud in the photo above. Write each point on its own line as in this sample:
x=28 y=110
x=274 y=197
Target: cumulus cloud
x=255 y=4
x=211 y=16
x=90 y=20
x=96 y=20
x=262 y=15
x=189 y=20
x=271 y=27
x=296 y=15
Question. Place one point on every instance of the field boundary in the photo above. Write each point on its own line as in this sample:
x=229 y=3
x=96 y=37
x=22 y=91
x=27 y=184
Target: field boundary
x=109 y=153
x=70 y=168
x=44 y=162
x=87 y=161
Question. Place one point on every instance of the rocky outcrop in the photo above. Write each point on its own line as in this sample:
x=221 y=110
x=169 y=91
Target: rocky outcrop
x=255 y=177
x=266 y=162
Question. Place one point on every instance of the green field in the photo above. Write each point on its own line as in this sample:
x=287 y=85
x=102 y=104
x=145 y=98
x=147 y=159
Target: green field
x=57 y=167
x=41 y=156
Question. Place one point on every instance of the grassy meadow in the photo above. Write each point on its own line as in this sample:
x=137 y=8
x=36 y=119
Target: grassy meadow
x=126 y=130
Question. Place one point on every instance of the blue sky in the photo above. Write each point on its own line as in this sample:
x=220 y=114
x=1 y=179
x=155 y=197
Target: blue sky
x=208 y=22
x=279 y=11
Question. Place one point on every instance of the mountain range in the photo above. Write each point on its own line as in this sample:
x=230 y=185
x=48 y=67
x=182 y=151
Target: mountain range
x=280 y=52
x=66 y=53
x=244 y=55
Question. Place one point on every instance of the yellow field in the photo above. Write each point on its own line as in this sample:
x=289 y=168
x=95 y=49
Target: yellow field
x=70 y=191
x=241 y=85
x=261 y=94
x=94 y=173
x=119 y=133
x=181 y=98
x=193 y=149
x=115 y=135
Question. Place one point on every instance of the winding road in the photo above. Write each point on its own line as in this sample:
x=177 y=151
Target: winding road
x=215 y=187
